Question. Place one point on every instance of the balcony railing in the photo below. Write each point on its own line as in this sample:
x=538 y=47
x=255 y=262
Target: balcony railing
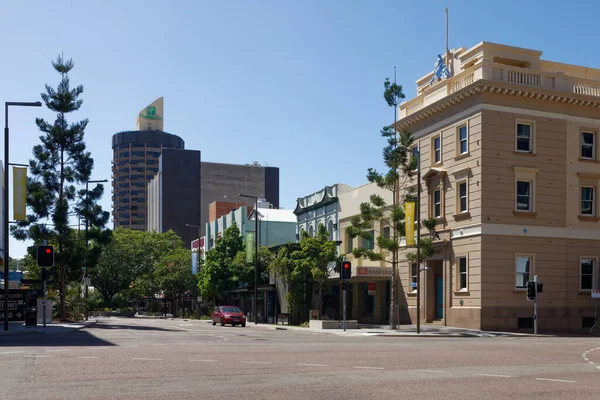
x=500 y=73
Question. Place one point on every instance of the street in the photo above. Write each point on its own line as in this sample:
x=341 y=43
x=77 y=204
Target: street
x=120 y=358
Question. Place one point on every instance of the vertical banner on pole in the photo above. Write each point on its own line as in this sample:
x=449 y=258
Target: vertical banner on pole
x=19 y=193
x=194 y=262
x=409 y=216
x=249 y=247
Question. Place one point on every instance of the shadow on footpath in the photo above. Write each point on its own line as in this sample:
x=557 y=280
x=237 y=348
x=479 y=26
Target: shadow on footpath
x=79 y=338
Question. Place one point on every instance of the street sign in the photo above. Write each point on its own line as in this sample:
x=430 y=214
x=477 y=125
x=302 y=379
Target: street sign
x=16 y=304
x=595 y=294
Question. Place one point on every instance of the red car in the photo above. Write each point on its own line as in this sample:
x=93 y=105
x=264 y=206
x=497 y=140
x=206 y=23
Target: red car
x=228 y=315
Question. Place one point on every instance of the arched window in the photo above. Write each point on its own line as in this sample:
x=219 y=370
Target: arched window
x=330 y=229
x=311 y=231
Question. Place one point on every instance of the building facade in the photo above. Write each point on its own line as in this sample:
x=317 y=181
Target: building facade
x=321 y=207
x=174 y=194
x=509 y=158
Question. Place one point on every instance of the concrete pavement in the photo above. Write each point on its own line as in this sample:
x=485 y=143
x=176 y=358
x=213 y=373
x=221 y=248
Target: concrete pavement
x=150 y=359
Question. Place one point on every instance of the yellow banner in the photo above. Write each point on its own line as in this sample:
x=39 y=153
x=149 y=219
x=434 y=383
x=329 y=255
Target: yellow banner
x=409 y=217
x=19 y=193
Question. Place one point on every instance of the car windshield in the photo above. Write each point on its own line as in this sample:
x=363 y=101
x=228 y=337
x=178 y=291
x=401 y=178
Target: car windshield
x=230 y=309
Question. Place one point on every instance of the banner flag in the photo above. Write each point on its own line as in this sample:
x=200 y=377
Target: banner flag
x=409 y=217
x=19 y=193
x=249 y=247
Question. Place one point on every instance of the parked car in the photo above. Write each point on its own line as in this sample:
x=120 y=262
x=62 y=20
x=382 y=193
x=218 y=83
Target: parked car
x=228 y=315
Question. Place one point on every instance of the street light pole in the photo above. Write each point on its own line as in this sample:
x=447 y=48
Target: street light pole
x=6 y=182
x=418 y=209
x=254 y=310
x=87 y=218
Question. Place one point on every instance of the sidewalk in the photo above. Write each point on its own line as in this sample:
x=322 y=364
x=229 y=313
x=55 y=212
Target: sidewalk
x=19 y=328
x=427 y=330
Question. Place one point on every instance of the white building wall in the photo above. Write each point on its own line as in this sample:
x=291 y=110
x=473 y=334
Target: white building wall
x=155 y=204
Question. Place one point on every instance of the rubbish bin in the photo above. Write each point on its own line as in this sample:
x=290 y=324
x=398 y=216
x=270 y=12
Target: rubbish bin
x=31 y=316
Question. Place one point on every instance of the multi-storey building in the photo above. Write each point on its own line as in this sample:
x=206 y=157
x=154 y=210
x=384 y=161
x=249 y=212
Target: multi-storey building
x=135 y=162
x=509 y=159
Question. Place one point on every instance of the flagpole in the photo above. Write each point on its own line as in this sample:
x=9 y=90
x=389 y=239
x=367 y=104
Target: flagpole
x=449 y=63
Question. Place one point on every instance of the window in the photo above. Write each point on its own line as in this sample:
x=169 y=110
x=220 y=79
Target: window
x=414 y=155
x=368 y=244
x=463 y=281
x=386 y=232
x=524 y=270
x=587 y=201
x=437 y=203
x=437 y=149
x=588 y=145
x=525 y=137
x=463 y=140
x=587 y=268
x=349 y=244
x=463 y=203
x=524 y=196
x=413 y=277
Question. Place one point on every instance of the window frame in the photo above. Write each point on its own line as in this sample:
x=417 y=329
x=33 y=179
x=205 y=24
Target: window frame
x=413 y=276
x=594 y=273
x=459 y=140
x=349 y=242
x=532 y=140
x=531 y=272
x=459 y=182
x=433 y=203
x=530 y=195
x=593 y=187
x=459 y=273
x=594 y=144
x=434 y=152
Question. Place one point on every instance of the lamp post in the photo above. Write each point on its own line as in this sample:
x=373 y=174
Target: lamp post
x=6 y=181
x=254 y=310
x=416 y=153
x=87 y=219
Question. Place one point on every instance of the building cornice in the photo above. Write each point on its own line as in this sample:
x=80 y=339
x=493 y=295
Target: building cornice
x=486 y=86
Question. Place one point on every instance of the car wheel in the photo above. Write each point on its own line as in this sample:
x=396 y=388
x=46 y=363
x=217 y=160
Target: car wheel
x=222 y=322
x=213 y=322
x=243 y=325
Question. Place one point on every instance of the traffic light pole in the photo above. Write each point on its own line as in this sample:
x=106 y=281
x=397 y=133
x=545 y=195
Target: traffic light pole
x=535 y=279
x=44 y=290
x=344 y=306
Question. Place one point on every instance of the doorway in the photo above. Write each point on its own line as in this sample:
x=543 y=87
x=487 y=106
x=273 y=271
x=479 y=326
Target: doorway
x=439 y=296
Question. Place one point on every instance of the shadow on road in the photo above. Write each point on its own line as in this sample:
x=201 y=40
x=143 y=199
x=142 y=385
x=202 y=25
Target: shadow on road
x=112 y=326
x=67 y=339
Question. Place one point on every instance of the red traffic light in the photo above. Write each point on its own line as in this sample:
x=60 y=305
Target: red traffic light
x=346 y=272
x=48 y=251
x=346 y=264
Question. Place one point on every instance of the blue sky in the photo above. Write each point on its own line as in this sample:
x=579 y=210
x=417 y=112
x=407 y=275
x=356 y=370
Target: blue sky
x=295 y=84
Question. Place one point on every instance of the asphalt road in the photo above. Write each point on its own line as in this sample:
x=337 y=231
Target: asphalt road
x=176 y=359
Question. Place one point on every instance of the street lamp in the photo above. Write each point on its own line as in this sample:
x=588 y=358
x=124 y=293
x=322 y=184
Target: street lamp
x=254 y=310
x=87 y=219
x=6 y=233
x=416 y=153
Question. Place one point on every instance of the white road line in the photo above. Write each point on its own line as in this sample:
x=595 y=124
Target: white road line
x=204 y=360
x=147 y=359
x=554 y=380
x=37 y=356
x=90 y=357
x=12 y=352
x=255 y=362
x=130 y=346
x=430 y=370
x=56 y=351
x=313 y=365
x=360 y=367
x=495 y=375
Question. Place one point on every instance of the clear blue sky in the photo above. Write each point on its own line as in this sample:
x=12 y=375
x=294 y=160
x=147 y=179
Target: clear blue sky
x=296 y=84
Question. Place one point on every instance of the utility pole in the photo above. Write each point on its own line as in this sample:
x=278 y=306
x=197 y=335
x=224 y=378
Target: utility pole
x=535 y=279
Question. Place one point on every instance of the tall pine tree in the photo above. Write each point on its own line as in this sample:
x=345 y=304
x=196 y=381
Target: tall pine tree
x=60 y=163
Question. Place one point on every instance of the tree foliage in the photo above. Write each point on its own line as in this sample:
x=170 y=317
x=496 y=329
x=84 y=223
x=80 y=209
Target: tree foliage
x=303 y=266
x=173 y=274
x=242 y=272
x=60 y=163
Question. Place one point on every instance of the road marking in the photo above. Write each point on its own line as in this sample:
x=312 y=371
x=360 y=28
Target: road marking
x=37 y=356
x=56 y=351
x=95 y=348
x=313 y=365
x=255 y=362
x=430 y=370
x=554 y=380
x=131 y=346
x=147 y=359
x=360 y=367
x=12 y=352
x=204 y=360
x=84 y=357
x=495 y=375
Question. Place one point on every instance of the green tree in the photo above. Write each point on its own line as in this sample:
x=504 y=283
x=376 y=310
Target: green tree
x=242 y=272
x=173 y=274
x=400 y=170
x=130 y=260
x=60 y=162
x=215 y=278
x=303 y=267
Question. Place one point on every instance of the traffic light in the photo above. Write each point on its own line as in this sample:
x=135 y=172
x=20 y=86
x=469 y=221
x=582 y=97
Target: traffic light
x=346 y=270
x=531 y=290
x=540 y=288
x=45 y=256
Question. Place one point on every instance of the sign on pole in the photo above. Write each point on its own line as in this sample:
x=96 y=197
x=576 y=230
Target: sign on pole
x=595 y=294
x=19 y=193
x=249 y=247
x=409 y=215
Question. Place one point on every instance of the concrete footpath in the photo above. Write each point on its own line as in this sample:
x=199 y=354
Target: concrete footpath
x=19 y=328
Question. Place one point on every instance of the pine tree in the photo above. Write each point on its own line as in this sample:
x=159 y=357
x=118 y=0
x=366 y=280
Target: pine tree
x=60 y=162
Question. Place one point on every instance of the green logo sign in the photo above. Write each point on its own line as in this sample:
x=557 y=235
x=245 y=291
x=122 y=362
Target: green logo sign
x=151 y=113
x=151 y=110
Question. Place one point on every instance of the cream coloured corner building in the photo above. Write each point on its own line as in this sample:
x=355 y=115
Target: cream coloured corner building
x=510 y=165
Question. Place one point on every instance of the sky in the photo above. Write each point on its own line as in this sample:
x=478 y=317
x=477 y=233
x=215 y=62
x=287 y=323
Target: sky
x=292 y=84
